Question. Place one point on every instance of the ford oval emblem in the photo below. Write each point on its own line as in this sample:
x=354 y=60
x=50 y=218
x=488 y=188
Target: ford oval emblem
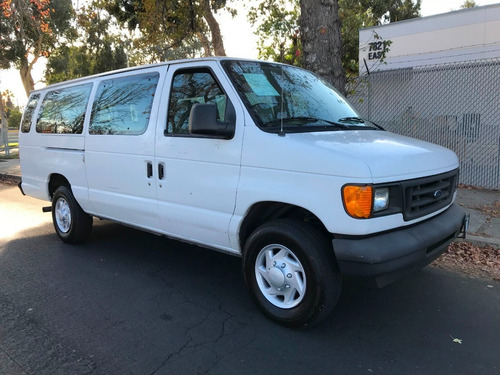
x=437 y=194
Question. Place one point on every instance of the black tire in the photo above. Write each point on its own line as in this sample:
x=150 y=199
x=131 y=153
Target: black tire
x=71 y=223
x=314 y=298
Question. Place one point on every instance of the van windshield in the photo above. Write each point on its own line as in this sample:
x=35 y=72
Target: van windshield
x=284 y=98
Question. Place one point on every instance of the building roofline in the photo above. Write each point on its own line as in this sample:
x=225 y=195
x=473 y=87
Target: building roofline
x=432 y=16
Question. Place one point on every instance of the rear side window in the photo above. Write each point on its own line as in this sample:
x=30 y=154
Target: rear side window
x=123 y=105
x=63 y=110
x=28 y=113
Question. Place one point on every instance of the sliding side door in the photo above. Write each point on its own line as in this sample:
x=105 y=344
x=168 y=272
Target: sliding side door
x=120 y=144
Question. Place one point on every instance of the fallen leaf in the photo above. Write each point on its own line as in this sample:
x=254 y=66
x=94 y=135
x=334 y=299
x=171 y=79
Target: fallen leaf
x=456 y=340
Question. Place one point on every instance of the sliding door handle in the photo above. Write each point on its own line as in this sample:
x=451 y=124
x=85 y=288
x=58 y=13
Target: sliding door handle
x=150 y=169
x=161 y=171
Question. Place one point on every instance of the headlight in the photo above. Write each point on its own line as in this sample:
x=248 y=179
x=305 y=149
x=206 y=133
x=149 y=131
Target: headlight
x=363 y=202
x=381 y=199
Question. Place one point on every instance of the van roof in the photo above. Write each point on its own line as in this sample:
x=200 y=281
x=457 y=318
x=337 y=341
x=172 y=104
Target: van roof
x=134 y=68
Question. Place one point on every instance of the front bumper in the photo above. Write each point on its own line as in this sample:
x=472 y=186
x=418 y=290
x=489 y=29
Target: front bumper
x=392 y=255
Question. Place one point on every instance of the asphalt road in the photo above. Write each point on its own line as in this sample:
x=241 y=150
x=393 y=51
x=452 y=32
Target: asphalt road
x=129 y=302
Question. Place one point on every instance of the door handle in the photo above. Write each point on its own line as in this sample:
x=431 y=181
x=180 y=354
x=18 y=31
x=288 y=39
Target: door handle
x=161 y=171
x=150 y=169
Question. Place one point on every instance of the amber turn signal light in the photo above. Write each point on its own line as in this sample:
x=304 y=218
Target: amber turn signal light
x=358 y=200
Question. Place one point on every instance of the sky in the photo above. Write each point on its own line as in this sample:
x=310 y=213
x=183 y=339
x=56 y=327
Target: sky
x=239 y=41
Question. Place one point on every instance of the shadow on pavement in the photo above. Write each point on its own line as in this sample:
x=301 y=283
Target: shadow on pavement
x=132 y=302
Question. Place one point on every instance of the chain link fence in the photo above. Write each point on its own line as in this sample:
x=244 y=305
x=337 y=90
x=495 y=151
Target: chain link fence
x=454 y=105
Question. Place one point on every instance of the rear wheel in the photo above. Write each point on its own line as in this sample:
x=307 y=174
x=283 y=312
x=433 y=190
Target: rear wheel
x=291 y=272
x=71 y=223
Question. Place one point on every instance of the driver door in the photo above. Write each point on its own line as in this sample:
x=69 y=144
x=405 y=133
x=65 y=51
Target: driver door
x=198 y=175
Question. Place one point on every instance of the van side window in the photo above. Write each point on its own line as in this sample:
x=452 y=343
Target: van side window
x=63 y=110
x=28 y=113
x=190 y=87
x=123 y=105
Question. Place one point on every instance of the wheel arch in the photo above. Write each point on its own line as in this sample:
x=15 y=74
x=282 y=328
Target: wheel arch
x=56 y=180
x=263 y=212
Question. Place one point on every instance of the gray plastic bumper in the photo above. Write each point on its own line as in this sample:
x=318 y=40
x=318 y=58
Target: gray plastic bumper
x=391 y=255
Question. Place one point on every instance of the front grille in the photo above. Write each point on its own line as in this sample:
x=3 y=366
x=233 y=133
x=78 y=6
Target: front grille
x=424 y=196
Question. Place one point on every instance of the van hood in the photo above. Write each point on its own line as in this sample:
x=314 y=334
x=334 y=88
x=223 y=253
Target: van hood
x=380 y=156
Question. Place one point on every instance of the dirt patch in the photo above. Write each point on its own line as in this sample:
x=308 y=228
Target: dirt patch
x=471 y=260
x=9 y=180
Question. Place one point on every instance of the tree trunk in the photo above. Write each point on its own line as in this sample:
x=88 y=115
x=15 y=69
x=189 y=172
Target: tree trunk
x=206 y=44
x=214 y=29
x=4 y=130
x=26 y=78
x=321 y=40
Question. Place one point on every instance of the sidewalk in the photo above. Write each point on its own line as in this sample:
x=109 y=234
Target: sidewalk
x=482 y=205
x=10 y=167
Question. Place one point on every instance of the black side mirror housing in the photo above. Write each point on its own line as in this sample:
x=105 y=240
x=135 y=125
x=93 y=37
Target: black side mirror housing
x=203 y=121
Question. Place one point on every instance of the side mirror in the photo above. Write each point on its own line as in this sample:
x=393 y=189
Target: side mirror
x=203 y=121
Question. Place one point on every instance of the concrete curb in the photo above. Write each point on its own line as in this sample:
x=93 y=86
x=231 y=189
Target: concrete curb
x=481 y=241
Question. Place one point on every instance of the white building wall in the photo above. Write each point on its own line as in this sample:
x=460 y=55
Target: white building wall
x=463 y=35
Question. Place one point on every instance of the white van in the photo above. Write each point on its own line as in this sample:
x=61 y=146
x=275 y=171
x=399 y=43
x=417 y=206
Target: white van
x=260 y=160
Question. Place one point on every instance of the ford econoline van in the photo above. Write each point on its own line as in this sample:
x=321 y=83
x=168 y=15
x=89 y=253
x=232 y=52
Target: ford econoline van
x=261 y=160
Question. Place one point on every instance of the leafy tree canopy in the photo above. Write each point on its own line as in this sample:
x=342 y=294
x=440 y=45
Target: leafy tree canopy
x=276 y=24
x=468 y=4
x=30 y=29
x=14 y=117
x=92 y=49
x=171 y=28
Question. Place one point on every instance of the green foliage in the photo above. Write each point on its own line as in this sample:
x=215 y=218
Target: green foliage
x=29 y=30
x=468 y=4
x=145 y=53
x=93 y=49
x=127 y=12
x=31 y=27
x=168 y=28
x=162 y=30
x=354 y=15
x=278 y=30
x=277 y=24
x=60 y=19
x=400 y=9
x=14 y=117
x=357 y=14
x=69 y=62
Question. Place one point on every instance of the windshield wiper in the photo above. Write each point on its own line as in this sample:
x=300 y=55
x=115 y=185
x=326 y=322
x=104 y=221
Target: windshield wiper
x=357 y=120
x=343 y=123
x=301 y=118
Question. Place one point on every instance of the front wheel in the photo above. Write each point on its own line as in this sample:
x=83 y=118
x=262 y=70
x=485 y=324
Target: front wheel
x=71 y=223
x=291 y=272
